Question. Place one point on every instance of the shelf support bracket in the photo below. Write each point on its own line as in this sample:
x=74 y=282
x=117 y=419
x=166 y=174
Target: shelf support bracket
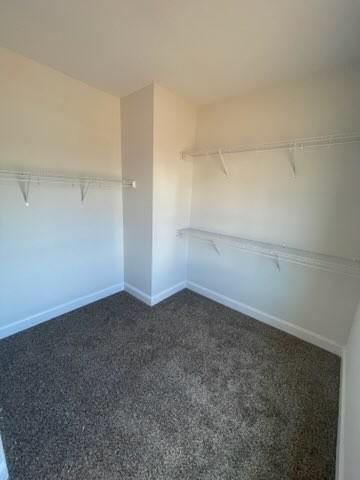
x=292 y=158
x=24 y=186
x=277 y=262
x=84 y=188
x=215 y=247
x=223 y=162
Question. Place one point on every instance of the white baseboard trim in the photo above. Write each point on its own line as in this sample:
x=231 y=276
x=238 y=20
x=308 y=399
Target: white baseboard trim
x=152 y=300
x=135 y=292
x=41 y=317
x=269 y=319
x=168 y=292
x=341 y=421
x=264 y=317
x=4 y=474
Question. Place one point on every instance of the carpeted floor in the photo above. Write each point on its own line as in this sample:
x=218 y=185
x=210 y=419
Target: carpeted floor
x=186 y=390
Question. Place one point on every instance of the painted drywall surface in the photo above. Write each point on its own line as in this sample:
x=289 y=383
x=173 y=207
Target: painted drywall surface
x=156 y=126
x=57 y=249
x=317 y=105
x=137 y=157
x=261 y=199
x=351 y=446
x=204 y=49
x=174 y=131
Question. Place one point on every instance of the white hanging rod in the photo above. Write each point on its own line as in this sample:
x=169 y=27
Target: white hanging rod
x=297 y=143
x=278 y=252
x=43 y=177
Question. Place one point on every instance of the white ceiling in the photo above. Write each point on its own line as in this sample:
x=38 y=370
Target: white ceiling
x=203 y=49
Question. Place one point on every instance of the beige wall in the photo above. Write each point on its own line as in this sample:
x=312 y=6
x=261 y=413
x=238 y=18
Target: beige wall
x=137 y=153
x=51 y=121
x=174 y=131
x=317 y=105
x=156 y=126
x=317 y=210
x=56 y=250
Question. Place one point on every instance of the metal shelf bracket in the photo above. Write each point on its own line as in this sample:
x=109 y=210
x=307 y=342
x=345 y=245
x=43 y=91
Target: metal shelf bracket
x=24 y=186
x=292 y=158
x=215 y=247
x=277 y=262
x=84 y=188
x=223 y=162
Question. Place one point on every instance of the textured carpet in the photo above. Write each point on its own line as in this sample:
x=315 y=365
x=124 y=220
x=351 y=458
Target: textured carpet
x=186 y=390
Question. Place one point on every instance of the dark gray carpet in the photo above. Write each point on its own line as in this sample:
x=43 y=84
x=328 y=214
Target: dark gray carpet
x=186 y=390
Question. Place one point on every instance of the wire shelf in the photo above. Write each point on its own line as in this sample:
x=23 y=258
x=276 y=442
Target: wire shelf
x=25 y=179
x=297 y=144
x=346 y=266
x=46 y=177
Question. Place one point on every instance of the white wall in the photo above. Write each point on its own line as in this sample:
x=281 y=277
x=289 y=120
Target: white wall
x=156 y=126
x=56 y=250
x=65 y=251
x=350 y=448
x=317 y=210
x=174 y=131
x=137 y=155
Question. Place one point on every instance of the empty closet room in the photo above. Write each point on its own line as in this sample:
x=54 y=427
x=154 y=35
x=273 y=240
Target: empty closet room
x=179 y=240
